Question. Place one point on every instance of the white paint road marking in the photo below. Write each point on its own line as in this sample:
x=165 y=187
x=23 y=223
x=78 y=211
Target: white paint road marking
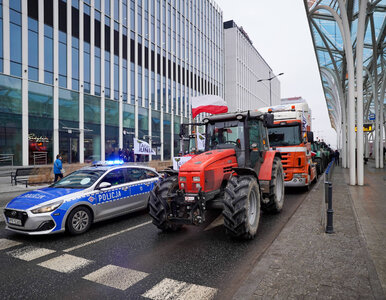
x=30 y=253
x=105 y=237
x=5 y=244
x=169 y=289
x=65 y=263
x=2 y=215
x=116 y=277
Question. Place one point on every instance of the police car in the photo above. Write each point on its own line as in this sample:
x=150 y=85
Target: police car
x=86 y=196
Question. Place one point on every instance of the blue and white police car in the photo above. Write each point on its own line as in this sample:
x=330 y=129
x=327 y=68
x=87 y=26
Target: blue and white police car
x=91 y=194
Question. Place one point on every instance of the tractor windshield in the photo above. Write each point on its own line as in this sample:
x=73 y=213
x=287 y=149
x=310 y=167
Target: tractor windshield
x=285 y=135
x=228 y=134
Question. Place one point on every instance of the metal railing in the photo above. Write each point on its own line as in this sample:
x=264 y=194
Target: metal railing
x=40 y=158
x=6 y=158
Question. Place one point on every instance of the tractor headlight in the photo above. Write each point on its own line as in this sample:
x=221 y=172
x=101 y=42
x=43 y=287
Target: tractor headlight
x=198 y=186
x=196 y=178
x=182 y=185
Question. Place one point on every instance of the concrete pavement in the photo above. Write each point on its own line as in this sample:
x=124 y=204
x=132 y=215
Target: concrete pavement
x=305 y=262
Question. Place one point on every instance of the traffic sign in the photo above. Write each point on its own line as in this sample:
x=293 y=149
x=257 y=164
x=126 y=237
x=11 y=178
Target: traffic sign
x=371 y=117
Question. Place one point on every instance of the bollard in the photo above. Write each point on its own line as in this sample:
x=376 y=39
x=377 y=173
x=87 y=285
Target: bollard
x=330 y=212
x=326 y=191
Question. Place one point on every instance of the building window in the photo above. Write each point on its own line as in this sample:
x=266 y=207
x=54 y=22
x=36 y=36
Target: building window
x=107 y=74
x=33 y=49
x=62 y=59
x=75 y=63
x=40 y=109
x=15 y=38
x=10 y=117
x=97 y=66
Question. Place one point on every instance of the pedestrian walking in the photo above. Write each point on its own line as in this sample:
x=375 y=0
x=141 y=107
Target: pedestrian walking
x=58 y=168
x=336 y=155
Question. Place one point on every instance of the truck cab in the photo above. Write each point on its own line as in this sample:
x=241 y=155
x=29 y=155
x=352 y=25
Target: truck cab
x=290 y=135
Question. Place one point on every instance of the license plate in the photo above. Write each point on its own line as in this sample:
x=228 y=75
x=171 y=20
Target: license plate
x=189 y=198
x=14 y=221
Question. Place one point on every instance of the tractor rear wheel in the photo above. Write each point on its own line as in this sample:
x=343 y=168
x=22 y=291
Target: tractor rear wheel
x=242 y=207
x=158 y=204
x=276 y=189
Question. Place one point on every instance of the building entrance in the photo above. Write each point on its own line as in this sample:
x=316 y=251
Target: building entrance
x=69 y=146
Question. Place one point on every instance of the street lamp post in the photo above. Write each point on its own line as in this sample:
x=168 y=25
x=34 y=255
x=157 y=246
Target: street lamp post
x=270 y=79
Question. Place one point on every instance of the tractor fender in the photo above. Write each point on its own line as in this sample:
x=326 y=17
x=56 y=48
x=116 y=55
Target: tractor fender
x=245 y=171
x=266 y=167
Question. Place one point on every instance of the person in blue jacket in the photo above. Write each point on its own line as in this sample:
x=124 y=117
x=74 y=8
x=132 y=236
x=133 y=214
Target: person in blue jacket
x=58 y=167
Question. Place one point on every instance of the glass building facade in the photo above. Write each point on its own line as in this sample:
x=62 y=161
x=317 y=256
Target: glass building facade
x=83 y=78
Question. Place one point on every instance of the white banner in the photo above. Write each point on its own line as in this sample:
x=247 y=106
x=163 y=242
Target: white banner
x=304 y=121
x=179 y=161
x=141 y=147
x=200 y=142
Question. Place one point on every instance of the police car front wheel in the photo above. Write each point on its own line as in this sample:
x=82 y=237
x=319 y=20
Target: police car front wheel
x=79 y=220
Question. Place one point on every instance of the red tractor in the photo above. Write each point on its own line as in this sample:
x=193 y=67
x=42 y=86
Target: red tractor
x=237 y=173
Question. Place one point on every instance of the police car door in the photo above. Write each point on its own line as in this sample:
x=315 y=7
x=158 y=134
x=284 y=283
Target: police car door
x=141 y=183
x=113 y=200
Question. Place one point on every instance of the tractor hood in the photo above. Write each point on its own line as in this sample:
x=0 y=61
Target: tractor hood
x=202 y=161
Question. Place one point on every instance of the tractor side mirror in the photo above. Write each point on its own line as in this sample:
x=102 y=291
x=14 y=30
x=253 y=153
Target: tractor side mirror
x=268 y=119
x=310 y=136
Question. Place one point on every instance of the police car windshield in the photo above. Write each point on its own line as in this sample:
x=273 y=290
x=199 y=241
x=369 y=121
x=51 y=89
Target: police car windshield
x=79 y=179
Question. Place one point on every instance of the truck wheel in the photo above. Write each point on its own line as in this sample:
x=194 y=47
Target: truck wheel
x=276 y=188
x=158 y=206
x=242 y=207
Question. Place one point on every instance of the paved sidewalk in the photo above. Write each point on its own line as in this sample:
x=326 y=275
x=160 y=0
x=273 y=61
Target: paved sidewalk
x=305 y=262
x=6 y=187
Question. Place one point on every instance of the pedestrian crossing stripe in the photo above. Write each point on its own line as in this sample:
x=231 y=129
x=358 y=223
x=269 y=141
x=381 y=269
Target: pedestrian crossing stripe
x=65 y=263
x=169 y=289
x=6 y=243
x=116 y=277
x=29 y=253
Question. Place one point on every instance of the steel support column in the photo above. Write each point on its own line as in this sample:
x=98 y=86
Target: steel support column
x=359 y=77
x=345 y=32
x=344 y=24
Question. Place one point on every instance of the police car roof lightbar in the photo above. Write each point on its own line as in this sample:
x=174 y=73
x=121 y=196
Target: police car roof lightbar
x=108 y=162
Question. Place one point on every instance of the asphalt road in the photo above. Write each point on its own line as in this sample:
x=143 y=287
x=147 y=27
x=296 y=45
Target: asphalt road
x=128 y=257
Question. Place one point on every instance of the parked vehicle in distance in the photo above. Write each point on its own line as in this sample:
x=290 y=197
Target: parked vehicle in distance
x=91 y=194
x=291 y=135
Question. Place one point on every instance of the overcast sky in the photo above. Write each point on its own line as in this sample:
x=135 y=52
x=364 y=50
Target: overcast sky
x=279 y=31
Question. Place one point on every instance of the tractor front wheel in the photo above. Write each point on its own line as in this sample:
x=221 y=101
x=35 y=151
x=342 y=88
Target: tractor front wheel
x=276 y=189
x=242 y=207
x=158 y=204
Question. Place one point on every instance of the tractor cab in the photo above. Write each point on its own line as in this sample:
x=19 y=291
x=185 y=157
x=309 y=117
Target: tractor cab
x=244 y=132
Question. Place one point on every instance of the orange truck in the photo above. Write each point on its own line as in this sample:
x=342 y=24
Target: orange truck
x=291 y=135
